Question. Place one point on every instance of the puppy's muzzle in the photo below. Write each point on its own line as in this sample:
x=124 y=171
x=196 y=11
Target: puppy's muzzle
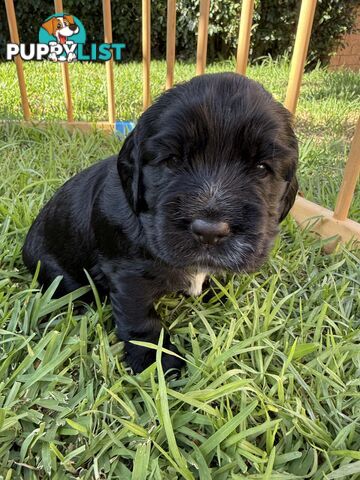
x=209 y=232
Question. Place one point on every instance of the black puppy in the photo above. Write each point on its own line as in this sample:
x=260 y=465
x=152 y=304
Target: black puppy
x=199 y=186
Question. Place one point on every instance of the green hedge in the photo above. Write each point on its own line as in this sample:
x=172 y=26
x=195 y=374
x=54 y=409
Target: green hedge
x=274 y=25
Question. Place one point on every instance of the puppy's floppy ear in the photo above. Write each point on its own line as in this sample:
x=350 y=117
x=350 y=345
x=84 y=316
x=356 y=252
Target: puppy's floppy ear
x=50 y=26
x=288 y=199
x=129 y=168
x=291 y=146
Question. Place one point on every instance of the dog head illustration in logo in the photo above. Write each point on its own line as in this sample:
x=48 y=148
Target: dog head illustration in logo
x=61 y=27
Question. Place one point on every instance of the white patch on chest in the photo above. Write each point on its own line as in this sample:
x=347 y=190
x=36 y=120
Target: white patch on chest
x=196 y=283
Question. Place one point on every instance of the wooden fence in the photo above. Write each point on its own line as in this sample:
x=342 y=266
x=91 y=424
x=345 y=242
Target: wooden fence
x=316 y=218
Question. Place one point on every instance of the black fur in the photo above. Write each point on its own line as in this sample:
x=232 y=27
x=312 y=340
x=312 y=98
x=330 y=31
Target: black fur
x=218 y=148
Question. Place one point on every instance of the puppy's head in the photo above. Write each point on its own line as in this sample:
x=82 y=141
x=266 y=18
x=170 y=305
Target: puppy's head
x=210 y=171
x=61 y=27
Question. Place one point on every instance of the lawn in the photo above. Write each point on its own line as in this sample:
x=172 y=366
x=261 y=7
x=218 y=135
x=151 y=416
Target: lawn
x=271 y=388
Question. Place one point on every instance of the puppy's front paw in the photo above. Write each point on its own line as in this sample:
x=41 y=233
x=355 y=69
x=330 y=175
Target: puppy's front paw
x=53 y=57
x=71 y=57
x=139 y=358
x=170 y=362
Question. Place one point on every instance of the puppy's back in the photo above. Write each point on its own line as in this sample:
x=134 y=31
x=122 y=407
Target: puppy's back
x=61 y=236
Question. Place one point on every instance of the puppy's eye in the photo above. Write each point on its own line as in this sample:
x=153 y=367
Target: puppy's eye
x=59 y=25
x=264 y=168
x=172 y=160
x=167 y=161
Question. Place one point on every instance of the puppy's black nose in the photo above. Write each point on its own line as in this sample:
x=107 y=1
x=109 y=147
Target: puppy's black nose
x=208 y=231
x=73 y=27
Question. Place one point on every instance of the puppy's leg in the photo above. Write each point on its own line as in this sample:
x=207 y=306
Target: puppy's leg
x=132 y=302
x=49 y=270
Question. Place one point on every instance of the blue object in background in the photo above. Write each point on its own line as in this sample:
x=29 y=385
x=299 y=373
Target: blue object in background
x=122 y=128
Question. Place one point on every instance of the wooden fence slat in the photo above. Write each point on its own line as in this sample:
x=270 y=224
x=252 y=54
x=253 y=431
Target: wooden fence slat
x=146 y=51
x=302 y=39
x=202 y=37
x=351 y=175
x=14 y=37
x=247 y=11
x=109 y=65
x=65 y=74
x=170 y=42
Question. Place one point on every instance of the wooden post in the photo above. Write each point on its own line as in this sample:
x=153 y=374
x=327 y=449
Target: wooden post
x=202 y=37
x=14 y=37
x=65 y=74
x=351 y=175
x=109 y=65
x=302 y=39
x=146 y=51
x=247 y=11
x=170 y=42
x=321 y=221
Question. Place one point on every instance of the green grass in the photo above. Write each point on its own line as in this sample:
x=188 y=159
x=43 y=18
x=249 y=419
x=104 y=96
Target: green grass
x=271 y=389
